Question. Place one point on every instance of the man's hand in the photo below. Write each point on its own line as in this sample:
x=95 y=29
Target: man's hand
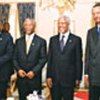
x=86 y=80
x=49 y=82
x=30 y=75
x=77 y=83
x=22 y=73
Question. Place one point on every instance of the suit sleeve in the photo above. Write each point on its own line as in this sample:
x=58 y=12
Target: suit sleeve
x=87 y=55
x=79 y=60
x=15 y=57
x=9 y=52
x=49 y=64
x=42 y=60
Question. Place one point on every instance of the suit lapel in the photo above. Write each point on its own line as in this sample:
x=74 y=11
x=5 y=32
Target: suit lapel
x=58 y=42
x=95 y=36
x=24 y=44
x=96 y=41
x=68 y=42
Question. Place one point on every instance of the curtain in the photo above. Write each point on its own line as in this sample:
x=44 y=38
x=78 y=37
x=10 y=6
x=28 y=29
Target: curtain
x=26 y=10
x=4 y=12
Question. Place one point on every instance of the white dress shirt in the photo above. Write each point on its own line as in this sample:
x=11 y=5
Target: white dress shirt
x=66 y=35
x=29 y=38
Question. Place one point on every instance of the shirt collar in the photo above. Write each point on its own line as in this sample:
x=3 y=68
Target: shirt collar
x=31 y=36
x=98 y=26
x=66 y=34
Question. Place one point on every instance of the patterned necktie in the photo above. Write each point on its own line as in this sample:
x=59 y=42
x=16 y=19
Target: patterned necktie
x=62 y=43
x=99 y=32
x=28 y=44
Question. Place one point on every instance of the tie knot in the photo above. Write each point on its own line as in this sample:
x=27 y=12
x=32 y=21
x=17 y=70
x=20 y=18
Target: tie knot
x=63 y=37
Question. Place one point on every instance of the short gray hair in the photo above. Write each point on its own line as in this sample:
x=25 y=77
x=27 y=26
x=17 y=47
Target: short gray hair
x=67 y=18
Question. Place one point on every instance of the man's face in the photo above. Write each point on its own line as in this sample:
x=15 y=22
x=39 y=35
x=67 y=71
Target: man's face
x=29 y=26
x=6 y=27
x=63 y=25
x=96 y=14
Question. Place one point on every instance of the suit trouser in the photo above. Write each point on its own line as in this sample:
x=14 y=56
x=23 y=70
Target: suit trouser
x=94 y=92
x=58 y=92
x=25 y=87
x=3 y=90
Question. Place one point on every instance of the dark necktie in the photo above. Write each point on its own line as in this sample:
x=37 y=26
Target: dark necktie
x=62 y=43
x=99 y=32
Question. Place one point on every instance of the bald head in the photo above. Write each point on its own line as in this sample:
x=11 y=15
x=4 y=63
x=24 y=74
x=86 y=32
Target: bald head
x=63 y=24
x=29 y=26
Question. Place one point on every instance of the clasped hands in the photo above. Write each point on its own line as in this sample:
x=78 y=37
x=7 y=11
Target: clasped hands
x=23 y=74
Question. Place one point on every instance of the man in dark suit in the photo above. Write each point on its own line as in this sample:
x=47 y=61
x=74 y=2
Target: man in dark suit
x=6 y=53
x=64 y=62
x=92 y=61
x=29 y=59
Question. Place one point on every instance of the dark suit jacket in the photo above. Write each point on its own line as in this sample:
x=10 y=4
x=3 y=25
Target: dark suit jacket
x=92 y=61
x=65 y=67
x=33 y=61
x=6 y=53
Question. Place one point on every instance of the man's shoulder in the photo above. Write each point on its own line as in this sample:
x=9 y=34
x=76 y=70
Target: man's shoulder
x=5 y=35
x=39 y=38
x=54 y=37
x=92 y=29
x=76 y=37
x=19 y=39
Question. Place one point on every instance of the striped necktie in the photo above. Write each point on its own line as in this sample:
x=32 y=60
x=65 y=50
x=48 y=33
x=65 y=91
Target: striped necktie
x=62 y=43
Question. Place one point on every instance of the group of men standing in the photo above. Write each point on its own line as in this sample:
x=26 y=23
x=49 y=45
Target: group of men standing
x=64 y=60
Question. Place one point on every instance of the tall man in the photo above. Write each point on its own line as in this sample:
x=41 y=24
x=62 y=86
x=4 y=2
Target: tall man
x=64 y=62
x=6 y=53
x=92 y=63
x=29 y=58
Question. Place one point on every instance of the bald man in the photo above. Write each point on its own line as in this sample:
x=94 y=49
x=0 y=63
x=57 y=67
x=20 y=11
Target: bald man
x=64 y=69
x=29 y=59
